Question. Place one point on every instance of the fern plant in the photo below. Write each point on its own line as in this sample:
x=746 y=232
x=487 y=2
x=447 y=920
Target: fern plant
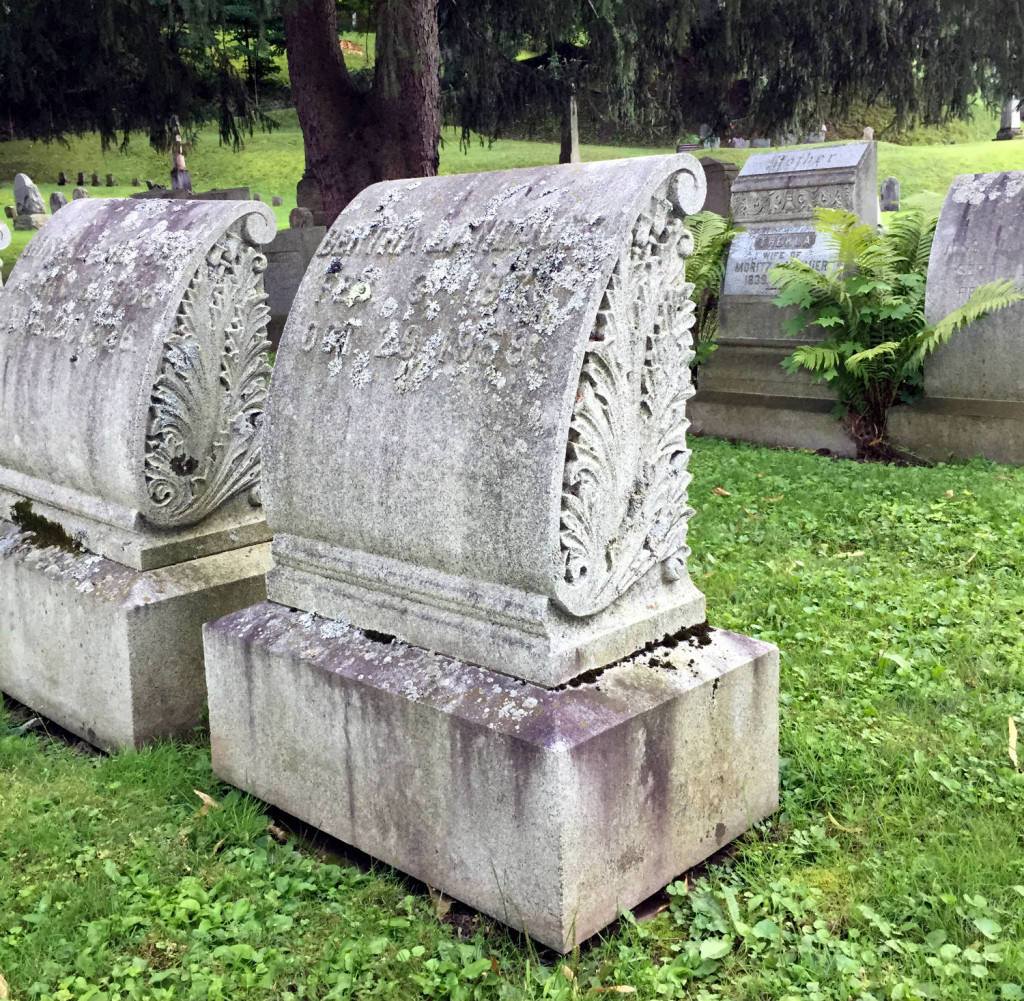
x=705 y=267
x=870 y=303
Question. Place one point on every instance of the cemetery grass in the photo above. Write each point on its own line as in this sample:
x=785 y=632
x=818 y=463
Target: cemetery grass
x=272 y=163
x=893 y=869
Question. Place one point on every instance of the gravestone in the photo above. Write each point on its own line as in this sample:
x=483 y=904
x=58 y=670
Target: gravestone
x=869 y=134
x=288 y=257
x=256 y=197
x=1009 y=121
x=719 y=175
x=136 y=182
x=133 y=351
x=81 y=178
x=891 y=195
x=62 y=179
x=744 y=391
x=95 y=180
x=57 y=201
x=973 y=400
x=741 y=144
x=80 y=193
x=277 y=201
x=29 y=207
x=760 y=143
x=111 y=181
x=301 y=218
x=475 y=468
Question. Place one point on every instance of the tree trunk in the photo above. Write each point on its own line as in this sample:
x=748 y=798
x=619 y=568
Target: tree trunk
x=570 y=147
x=354 y=138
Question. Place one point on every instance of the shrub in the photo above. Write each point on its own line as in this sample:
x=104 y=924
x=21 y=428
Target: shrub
x=705 y=268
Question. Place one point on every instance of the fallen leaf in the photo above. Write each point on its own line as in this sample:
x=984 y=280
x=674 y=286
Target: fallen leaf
x=620 y=989
x=279 y=834
x=3 y=989
x=1013 y=742
x=208 y=801
x=949 y=493
x=567 y=973
x=850 y=555
x=495 y=966
x=219 y=845
x=718 y=492
x=772 y=500
x=848 y=830
x=442 y=904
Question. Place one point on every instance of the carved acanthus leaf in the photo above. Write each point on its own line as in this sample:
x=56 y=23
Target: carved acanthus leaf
x=206 y=411
x=624 y=506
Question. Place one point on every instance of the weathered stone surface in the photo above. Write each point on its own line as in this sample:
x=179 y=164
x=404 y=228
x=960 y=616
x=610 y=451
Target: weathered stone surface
x=80 y=193
x=477 y=432
x=744 y=392
x=974 y=385
x=288 y=257
x=57 y=201
x=550 y=810
x=301 y=218
x=133 y=351
x=27 y=199
x=30 y=222
x=112 y=654
x=890 y=195
x=719 y=175
x=277 y=201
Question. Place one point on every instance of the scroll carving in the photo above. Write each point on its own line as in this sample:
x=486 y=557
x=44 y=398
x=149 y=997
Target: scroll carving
x=790 y=202
x=624 y=504
x=206 y=411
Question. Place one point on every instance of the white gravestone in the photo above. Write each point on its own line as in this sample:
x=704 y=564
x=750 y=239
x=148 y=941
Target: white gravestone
x=744 y=391
x=973 y=400
x=476 y=444
x=133 y=350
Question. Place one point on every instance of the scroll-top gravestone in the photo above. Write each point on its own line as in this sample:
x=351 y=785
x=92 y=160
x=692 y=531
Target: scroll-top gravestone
x=481 y=659
x=973 y=401
x=133 y=351
x=744 y=391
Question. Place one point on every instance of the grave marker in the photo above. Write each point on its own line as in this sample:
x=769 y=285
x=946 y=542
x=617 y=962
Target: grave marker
x=890 y=195
x=29 y=207
x=476 y=443
x=132 y=345
x=744 y=391
x=973 y=400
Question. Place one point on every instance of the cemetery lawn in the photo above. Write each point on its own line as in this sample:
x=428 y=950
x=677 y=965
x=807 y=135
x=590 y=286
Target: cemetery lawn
x=271 y=164
x=893 y=869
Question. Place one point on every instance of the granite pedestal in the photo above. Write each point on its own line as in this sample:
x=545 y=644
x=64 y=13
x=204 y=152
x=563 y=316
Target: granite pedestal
x=551 y=810
x=111 y=653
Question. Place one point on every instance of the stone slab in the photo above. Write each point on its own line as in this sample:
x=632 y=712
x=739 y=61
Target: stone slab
x=288 y=257
x=940 y=430
x=550 y=810
x=113 y=654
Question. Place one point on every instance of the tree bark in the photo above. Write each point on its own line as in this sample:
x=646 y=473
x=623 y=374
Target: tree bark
x=354 y=138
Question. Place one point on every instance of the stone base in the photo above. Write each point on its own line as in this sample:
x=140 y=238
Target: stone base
x=110 y=653
x=35 y=220
x=782 y=422
x=942 y=429
x=1009 y=133
x=550 y=810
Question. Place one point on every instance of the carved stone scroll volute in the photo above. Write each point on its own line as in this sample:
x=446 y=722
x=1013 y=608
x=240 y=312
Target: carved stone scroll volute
x=206 y=413
x=624 y=505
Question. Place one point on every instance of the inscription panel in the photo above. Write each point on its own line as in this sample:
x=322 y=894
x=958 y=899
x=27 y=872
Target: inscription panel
x=754 y=253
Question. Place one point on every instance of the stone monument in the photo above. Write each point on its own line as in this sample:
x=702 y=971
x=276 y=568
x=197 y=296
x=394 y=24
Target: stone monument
x=481 y=659
x=29 y=207
x=57 y=201
x=891 y=195
x=1009 y=121
x=62 y=179
x=973 y=400
x=744 y=391
x=80 y=193
x=288 y=257
x=719 y=175
x=133 y=351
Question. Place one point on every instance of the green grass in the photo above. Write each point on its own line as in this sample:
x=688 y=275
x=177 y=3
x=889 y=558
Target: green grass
x=271 y=164
x=894 y=868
